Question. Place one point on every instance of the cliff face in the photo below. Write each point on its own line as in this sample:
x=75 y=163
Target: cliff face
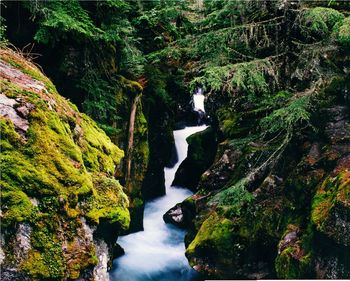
x=276 y=201
x=62 y=208
x=88 y=49
x=292 y=220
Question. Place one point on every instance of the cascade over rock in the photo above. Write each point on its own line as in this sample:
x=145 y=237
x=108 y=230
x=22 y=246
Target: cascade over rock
x=268 y=80
x=201 y=153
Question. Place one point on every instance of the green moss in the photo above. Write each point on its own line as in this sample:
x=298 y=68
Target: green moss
x=132 y=86
x=341 y=32
x=318 y=22
x=288 y=266
x=35 y=266
x=99 y=153
x=10 y=139
x=46 y=241
x=214 y=235
x=332 y=199
x=67 y=164
x=79 y=259
x=109 y=202
x=9 y=89
x=229 y=121
x=16 y=207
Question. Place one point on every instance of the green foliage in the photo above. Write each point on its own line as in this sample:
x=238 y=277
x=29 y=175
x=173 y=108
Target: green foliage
x=229 y=121
x=274 y=101
x=102 y=99
x=250 y=78
x=157 y=92
x=62 y=17
x=160 y=25
x=223 y=13
x=342 y=32
x=318 y=22
x=232 y=199
x=2 y=31
x=102 y=29
x=294 y=115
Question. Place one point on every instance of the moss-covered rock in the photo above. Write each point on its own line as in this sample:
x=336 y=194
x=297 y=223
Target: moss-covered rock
x=55 y=173
x=293 y=260
x=331 y=207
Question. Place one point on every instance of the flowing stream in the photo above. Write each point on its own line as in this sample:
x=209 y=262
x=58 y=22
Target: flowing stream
x=158 y=252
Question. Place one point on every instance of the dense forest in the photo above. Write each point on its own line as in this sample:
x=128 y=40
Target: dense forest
x=91 y=93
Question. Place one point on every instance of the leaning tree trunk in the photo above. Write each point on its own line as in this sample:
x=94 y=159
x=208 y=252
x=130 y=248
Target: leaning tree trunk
x=131 y=140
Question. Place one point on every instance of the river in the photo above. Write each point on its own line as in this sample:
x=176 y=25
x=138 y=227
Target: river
x=158 y=252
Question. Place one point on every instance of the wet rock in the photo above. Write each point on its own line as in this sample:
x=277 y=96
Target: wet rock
x=101 y=269
x=181 y=214
x=331 y=259
x=337 y=128
x=23 y=244
x=289 y=238
x=221 y=171
x=174 y=216
x=16 y=76
x=269 y=187
x=2 y=255
x=161 y=145
x=314 y=155
x=25 y=109
x=118 y=251
x=7 y=110
x=201 y=152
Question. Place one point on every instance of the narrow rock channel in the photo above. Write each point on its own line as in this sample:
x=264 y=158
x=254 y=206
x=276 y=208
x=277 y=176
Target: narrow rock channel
x=158 y=252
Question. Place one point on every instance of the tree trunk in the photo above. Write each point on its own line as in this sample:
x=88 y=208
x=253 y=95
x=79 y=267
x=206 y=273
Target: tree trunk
x=131 y=140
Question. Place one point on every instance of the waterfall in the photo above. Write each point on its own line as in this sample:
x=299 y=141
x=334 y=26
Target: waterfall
x=158 y=252
x=198 y=100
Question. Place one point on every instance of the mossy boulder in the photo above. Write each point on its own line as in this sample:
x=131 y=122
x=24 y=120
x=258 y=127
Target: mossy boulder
x=215 y=240
x=331 y=207
x=57 y=174
x=235 y=226
x=293 y=260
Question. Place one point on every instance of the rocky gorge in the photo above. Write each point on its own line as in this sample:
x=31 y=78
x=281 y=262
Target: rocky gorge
x=94 y=96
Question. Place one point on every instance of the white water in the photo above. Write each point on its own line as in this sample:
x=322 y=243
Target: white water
x=198 y=100
x=158 y=252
